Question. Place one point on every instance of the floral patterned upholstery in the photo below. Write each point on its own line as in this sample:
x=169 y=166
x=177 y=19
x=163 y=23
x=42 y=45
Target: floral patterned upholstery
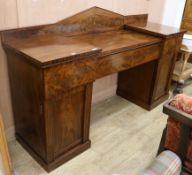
x=183 y=103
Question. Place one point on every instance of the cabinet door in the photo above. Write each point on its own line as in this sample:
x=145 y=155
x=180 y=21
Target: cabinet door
x=68 y=116
x=68 y=120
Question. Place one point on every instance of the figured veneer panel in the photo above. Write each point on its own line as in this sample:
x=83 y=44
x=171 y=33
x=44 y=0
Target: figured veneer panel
x=166 y=66
x=125 y=60
x=138 y=20
x=61 y=78
x=67 y=114
x=94 y=19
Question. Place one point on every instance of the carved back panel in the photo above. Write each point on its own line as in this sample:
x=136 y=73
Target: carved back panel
x=91 y=20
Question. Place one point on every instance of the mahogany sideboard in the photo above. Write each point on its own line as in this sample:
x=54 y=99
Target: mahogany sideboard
x=52 y=69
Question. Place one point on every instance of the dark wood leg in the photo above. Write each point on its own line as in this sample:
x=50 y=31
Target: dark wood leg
x=179 y=88
x=184 y=140
x=183 y=145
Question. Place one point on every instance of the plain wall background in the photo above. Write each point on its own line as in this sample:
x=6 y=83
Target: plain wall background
x=20 y=13
x=173 y=12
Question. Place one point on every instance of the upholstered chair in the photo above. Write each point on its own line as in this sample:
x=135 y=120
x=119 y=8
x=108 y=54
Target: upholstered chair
x=167 y=163
x=177 y=138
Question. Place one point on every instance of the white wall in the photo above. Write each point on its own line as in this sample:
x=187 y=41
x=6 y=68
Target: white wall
x=156 y=10
x=167 y=12
x=35 y=12
x=20 y=13
x=173 y=12
x=8 y=19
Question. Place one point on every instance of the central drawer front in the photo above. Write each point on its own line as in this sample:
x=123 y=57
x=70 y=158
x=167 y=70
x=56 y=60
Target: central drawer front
x=125 y=60
x=59 y=79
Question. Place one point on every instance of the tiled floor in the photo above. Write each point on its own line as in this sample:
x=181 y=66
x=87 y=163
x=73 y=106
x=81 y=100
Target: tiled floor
x=125 y=140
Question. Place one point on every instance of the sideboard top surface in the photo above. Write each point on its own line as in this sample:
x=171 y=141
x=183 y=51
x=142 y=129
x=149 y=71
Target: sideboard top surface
x=50 y=47
x=93 y=32
x=156 y=29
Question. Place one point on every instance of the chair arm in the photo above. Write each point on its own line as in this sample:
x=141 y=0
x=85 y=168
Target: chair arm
x=177 y=114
